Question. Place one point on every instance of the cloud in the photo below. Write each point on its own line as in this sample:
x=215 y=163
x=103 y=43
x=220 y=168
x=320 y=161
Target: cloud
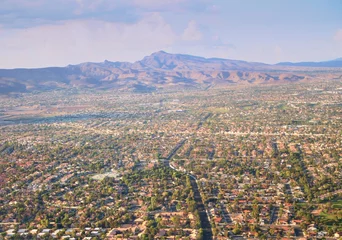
x=94 y=6
x=24 y=13
x=149 y=5
x=213 y=8
x=158 y=4
x=76 y=41
x=338 y=36
x=217 y=43
x=192 y=32
x=11 y=4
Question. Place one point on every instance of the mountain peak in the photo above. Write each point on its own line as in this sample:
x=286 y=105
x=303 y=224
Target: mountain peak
x=160 y=59
x=159 y=52
x=158 y=70
x=107 y=63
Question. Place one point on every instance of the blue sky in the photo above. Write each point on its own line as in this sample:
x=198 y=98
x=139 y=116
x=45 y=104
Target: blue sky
x=39 y=33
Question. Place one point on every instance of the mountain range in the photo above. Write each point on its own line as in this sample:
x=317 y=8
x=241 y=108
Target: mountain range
x=332 y=64
x=164 y=70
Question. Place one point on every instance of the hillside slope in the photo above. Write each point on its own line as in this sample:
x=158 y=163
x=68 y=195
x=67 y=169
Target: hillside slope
x=159 y=70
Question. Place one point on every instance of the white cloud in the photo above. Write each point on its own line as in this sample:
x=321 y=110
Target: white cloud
x=10 y=4
x=97 y=5
x=81 y=6
x=155 y=4
x=338 y=35
x=192 y=32
x=84 y=40
x=213 y=8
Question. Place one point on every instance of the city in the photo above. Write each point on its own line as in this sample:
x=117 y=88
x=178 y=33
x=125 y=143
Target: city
x=254 y=162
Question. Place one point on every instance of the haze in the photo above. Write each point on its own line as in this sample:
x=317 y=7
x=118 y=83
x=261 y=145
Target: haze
x=40 y=33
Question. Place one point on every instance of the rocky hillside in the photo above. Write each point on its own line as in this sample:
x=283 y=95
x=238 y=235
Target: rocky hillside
x=159 y=70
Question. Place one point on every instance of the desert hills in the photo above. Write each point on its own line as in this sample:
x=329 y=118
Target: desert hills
x=164 y=70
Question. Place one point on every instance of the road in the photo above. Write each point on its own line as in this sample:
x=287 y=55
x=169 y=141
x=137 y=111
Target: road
x=174 y=150
x=271 y=134
x=204 y=218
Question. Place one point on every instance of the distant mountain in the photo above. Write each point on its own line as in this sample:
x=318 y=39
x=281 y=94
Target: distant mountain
x=332 y=63
x=157 y=71
x=181 y=62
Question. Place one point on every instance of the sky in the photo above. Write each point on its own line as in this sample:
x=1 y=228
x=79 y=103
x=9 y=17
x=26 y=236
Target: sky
x=41 y=33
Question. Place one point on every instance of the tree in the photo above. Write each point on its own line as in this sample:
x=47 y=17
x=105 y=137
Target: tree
x=237 y=229
x=200 y=234
x=153 y=203
x=176 y=220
